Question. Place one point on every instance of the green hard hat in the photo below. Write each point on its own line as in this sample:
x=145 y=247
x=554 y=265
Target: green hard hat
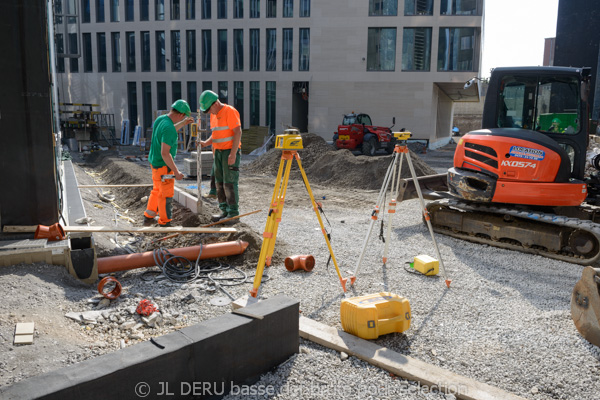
x=207 y=98
x=556 y=120
x=182 y=106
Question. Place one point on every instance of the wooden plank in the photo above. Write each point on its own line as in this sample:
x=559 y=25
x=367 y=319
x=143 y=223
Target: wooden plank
x=146 y=229
x=115 y=186
x=409 y=368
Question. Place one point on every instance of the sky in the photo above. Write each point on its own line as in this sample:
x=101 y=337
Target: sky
x=514 y=32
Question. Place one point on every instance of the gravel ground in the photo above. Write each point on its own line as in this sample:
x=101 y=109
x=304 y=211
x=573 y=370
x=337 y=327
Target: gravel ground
x=504 y=321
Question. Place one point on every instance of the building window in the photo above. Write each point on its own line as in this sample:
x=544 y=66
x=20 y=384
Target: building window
x=288 y=8
x=114 y=10
x=305 y=8
x=206 y=85
x=132 y=101
x=175 y=51
x=116 y=51
x=254 y=103
x=254 y=50
x=129 y=14
x=159 y=10
x=222 y=49
x=381 y=49
x=130 y=50
x=254 y=8
x=147 y=104
x=190 y=9
x=304 y=50
x=100 y=16
x=287 y=51
x=87 y=52
x=238 y=8
x=101 y=49
x=161 y=95
x=206 y=14
x=206 y=50
x=223 y=92
x=73 y=61
x=175 y=10
x=145 y=46
x=271 y=8
x=221 y=9
x=161 y=59
x=460 y=7
x=60 y=48
x=383 y=7
x=416 y=49
x=190 y=44
x=192 y=93
x=270 y=99
x=418 y=7
x=456 y=50
x=175 y=91
x=238 y=99
x=271 y=49
x=238 y=49
x=85 y=11
x=144 y=10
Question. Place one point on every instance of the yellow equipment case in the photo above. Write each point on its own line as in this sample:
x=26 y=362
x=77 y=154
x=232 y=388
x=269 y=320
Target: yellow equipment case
x=376 y=314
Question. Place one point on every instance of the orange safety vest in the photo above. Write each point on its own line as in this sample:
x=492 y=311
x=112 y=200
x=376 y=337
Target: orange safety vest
x=222 y=126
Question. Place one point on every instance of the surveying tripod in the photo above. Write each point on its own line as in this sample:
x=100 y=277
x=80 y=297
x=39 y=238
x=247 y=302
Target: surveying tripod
x=290 y=142
x=390 y=177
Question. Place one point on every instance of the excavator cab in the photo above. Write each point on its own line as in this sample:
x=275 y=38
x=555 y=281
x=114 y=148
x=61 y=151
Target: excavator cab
x=532 y=147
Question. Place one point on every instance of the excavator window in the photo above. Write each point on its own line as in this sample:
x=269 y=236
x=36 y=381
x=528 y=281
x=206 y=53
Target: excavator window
x=548 y=104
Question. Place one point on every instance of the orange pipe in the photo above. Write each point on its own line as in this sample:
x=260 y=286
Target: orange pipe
x=146 y=259
x=294 y=263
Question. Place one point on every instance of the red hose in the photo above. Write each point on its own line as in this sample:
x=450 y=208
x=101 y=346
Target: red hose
x=140 y=260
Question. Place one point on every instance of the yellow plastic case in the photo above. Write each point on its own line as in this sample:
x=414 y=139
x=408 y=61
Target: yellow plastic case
x=376 y=314
x=426 y=265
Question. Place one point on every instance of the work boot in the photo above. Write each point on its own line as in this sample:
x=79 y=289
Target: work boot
x=218 y=217
x=149 y=221
x=230 y=222
x=167 y=225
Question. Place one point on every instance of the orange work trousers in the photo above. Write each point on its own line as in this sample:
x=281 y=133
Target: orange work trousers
x=160 y=201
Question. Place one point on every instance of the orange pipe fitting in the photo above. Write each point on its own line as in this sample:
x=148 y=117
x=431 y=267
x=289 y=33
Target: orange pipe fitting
x=52 y=233
x=113 y=294
x=140 y=260
x=294 y=263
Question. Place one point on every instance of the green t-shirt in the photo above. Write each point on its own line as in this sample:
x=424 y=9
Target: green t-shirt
x=163 y=131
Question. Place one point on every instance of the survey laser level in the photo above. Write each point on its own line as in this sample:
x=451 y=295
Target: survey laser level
x=290 y=142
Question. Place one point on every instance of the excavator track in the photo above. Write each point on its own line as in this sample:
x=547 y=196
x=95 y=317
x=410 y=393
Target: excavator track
x=564 y=238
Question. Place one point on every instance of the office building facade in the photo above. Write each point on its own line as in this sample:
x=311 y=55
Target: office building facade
x=281 y=63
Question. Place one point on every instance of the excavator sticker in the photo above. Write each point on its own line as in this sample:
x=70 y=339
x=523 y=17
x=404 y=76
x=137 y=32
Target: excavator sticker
x=525 y=152
x=518 y=164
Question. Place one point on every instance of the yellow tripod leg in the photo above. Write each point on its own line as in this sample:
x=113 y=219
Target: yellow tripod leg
x=314 y=204
x=272 y=221
x=289 y=157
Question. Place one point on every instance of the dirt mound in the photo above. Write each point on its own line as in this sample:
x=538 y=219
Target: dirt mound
x=326 y=165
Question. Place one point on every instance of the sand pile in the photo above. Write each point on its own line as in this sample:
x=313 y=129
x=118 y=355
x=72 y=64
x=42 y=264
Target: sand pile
x=326 y=165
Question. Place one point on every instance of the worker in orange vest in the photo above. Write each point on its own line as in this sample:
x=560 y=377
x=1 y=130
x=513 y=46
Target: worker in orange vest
x=225 y=138
x=162 y=160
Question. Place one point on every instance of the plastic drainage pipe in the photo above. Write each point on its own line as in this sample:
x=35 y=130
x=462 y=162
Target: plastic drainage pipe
x=146 y=259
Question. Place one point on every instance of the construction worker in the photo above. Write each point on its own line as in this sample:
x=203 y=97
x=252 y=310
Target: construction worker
x=162 y=160
x=225 y=138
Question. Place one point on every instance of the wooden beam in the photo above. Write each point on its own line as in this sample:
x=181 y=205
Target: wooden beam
x=115 y=186
x=401 y=365
x=145 y=229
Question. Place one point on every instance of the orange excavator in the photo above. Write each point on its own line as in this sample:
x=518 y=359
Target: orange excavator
x=520 y=182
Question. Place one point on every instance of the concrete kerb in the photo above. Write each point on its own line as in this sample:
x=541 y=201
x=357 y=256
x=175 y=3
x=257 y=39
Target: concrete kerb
x=205 y=360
